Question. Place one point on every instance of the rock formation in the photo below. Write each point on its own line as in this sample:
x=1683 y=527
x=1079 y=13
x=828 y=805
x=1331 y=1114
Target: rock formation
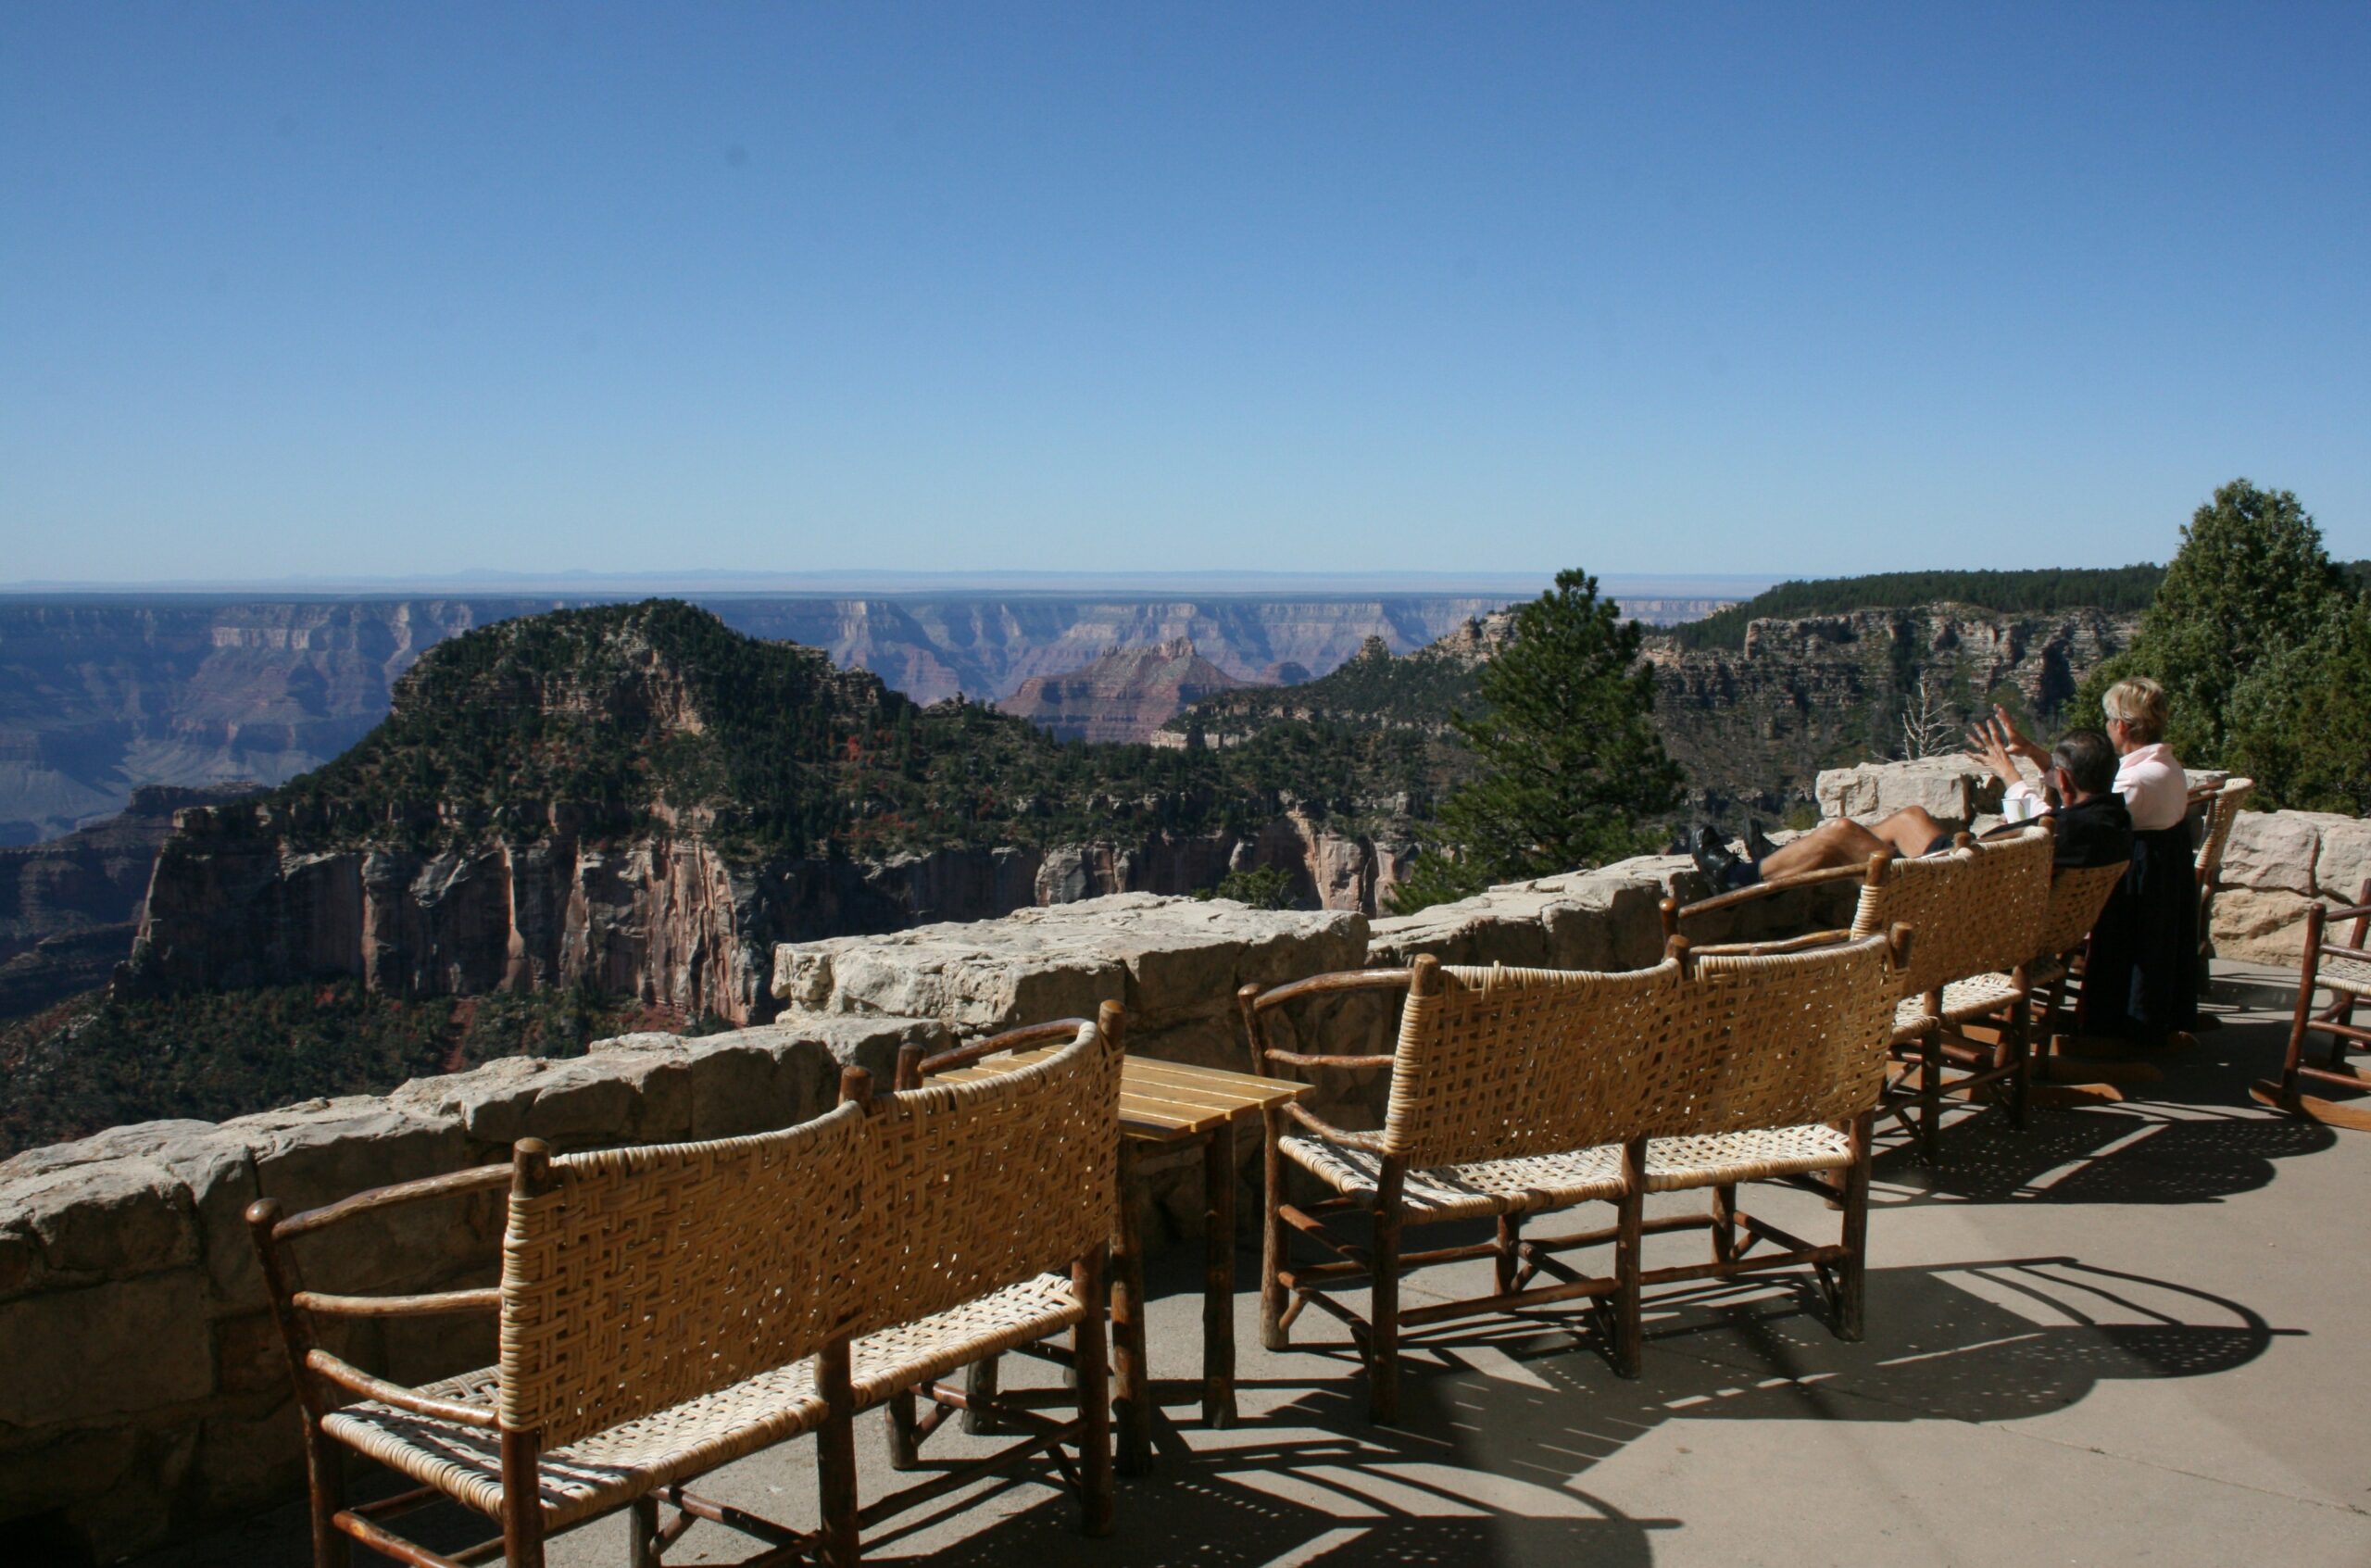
x=1756 y=727
x=1124 y=695
x=69 y=907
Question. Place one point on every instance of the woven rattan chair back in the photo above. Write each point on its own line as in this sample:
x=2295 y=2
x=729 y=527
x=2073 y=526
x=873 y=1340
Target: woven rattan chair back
x=1978 y=910
x=971 y=1186
x=1501 y=1063
x=1782 y=1039
x=2222 y=810
x=2077 y=895
x=644 y=1278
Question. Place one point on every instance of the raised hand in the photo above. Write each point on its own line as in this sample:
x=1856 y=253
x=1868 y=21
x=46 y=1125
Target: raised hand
x=2016 y=740
x=1989 y=744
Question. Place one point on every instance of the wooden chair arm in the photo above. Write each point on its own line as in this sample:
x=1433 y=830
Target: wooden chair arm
x=1060 y=1029
x=354 y=1379
x=1778 y=945
x=1325 y=984
x=1253 y=1003
x=430 y=1305
x=1367 y=1143
x=1769 y=890
x=476 y=1179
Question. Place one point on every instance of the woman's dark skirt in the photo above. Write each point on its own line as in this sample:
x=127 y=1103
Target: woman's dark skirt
x=2140 y=981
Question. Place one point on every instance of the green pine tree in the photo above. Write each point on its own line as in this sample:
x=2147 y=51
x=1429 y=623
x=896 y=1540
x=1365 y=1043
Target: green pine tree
x=1572 y=773
x=2251 y=585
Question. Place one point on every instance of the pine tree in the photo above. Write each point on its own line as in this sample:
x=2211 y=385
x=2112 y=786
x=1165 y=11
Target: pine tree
x=1572 y=773
x=2250 y=586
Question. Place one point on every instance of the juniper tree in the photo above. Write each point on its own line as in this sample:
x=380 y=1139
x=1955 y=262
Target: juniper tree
x=2245 y=633
x=1571 y=772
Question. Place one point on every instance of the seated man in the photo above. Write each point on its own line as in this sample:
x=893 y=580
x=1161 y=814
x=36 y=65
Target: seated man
x=2093 y=827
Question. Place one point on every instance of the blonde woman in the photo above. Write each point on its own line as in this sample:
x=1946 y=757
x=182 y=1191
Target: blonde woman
x=2141 y=979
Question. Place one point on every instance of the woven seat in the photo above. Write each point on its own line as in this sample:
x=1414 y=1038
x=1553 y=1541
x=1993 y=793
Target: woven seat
x=2351 y=975
x=1726 y=1159
x=1521 y=1185
x=1977 y=995
x=597 y=1472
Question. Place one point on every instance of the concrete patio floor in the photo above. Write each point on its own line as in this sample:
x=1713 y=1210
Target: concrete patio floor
x=2133 y=1333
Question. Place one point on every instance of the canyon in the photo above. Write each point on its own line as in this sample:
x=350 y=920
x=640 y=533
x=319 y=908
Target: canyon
x=101 y=694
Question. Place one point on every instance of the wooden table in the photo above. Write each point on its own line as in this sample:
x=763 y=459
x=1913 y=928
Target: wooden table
x=1168 y=1104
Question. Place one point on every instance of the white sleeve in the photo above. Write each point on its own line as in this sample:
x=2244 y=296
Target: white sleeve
x=2021 y=803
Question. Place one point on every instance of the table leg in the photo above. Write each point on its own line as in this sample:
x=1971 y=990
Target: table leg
x=1129 y=1366
x=1218 y=1277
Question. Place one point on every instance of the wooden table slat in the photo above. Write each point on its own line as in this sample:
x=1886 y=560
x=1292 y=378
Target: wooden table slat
x=1159 y=1101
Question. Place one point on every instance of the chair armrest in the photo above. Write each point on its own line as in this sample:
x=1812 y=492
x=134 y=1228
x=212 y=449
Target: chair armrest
x=1368 y=1143
x=1254 y=1003
x=1060 y=1029
x=1761 y=890
x=476 y=1179
x=432 y=1305
x=354 y=1379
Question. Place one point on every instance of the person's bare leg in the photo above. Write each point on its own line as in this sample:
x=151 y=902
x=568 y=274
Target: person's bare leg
x=1841 y=843
x=1910 y=831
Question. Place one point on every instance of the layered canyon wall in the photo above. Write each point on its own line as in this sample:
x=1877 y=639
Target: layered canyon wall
x=99 y=696
x=1755 y=726
x=665 y=920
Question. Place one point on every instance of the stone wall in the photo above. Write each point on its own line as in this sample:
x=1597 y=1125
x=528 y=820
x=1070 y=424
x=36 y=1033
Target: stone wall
x=2276 y=865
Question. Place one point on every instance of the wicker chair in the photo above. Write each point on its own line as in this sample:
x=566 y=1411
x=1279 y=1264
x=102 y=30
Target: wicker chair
x=2077 y=895
x=2343 y=969
x=2220 y=804
x=667 y=1310
x=1513 y=1092
x=1980 y=911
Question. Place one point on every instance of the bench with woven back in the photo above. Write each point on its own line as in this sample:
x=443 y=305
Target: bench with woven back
x=666 y=1310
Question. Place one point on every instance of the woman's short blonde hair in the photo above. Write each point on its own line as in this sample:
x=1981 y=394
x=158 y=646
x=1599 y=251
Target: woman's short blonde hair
x=2140 y=702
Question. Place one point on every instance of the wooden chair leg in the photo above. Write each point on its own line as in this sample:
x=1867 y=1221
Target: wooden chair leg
x=1090 y=1278
x=325 y=1473
x=522 y=1510
x=1274 y=1242
x=1125 y=1284
x=980 y=1391
x=1383 y=1317
x=1629 y=1260
x=835 y=1457
x=2019 y=1040
x=642 y=1534
x=1930 y=1095
x=1218 y=1277
x=1852 y=1275
x=904 y=1429
x=1725 y=1223
x=1510 y=1251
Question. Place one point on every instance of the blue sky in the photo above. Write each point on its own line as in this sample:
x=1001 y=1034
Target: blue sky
x=417 y=288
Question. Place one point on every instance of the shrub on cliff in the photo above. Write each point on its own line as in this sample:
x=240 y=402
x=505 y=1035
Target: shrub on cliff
x=1571 y=772
x=2259 y=641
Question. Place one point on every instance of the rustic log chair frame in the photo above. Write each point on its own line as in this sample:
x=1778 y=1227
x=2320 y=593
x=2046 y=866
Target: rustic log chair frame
x=1421 y=1142
x=1980 y=939
x=2349 y=983
x=2077 y=897
x=2223 y=802
x=980 y=1403
x=836 y=1313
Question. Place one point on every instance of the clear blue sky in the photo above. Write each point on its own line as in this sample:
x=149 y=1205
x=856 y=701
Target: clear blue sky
x=405 y=288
